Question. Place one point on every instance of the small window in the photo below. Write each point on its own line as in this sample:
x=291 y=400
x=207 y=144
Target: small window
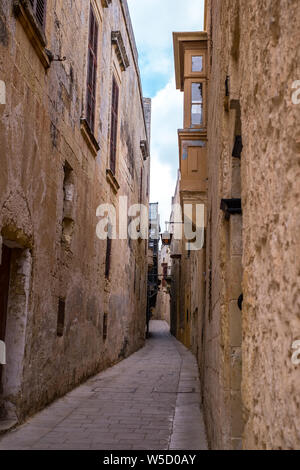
x=197 y=63
x=61 y=317
x=39 y=10
x=197 y=104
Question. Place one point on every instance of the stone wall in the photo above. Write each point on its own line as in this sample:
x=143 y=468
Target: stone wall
x=46 y=154
x=253 y=404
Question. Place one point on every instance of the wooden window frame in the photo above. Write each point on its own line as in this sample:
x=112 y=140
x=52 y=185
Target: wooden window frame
x=188 y=72
x=115 y=96
x=36 y=5
x=198 y=103
x=25 y=12
x=188 y=103
x=92 y=68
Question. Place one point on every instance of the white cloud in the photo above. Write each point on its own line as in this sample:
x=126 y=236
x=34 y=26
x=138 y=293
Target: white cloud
x=167 y=109
x=153 y=23
x=167 y=117
x=155 y=20
x=162 y=187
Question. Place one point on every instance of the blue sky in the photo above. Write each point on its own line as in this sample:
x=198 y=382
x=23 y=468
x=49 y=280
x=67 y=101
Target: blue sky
x=153 y=23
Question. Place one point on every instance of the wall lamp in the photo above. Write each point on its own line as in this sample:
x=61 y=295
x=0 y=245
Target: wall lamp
x=166 y=238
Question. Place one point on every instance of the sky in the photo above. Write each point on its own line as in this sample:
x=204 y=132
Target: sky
x=153 y=23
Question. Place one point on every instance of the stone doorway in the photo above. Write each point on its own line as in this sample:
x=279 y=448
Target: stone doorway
x=15 y=277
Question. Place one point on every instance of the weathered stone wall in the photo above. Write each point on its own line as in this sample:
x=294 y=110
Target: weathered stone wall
x=271 y=202
x=255 y=44
x=39 y=132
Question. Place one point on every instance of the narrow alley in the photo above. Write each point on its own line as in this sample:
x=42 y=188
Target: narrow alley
x=149 y=401
x=149 y=226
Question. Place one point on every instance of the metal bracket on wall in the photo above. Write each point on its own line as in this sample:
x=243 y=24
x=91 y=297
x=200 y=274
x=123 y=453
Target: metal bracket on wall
x=231 y=207
x=54 y=58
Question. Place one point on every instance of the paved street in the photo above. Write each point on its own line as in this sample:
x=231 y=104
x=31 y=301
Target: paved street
x=149 y=401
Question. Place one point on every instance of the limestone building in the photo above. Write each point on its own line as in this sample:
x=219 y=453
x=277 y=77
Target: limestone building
x=153 y=254
x=187 y=291
x=162 y=307
x=74 y=134
x=249 y=291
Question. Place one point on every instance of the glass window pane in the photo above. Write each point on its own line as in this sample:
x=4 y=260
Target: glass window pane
x=197 y=93
x=197 y=63
x=197 y=114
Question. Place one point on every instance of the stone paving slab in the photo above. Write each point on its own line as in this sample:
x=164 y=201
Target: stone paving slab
x=149 y=401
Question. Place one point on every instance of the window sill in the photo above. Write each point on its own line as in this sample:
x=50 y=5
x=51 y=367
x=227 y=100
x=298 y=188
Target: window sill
x=110 y=177
x=89 y=137
x=35 y=33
